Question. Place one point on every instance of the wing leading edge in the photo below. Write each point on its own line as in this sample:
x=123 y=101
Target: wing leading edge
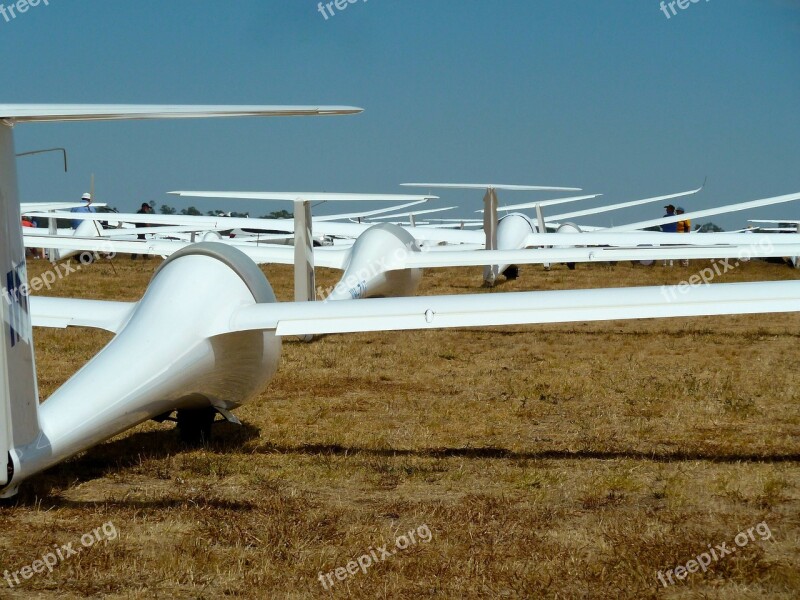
x=518 y=308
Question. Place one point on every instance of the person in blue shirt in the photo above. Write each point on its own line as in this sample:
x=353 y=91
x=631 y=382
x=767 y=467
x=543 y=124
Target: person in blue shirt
x=670 y=227
x=83 y=209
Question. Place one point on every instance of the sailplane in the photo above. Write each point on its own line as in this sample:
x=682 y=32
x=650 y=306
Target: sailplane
x=225 y=326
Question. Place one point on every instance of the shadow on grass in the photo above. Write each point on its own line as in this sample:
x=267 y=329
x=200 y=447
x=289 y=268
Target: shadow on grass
x=124 y=453
x=128 y=452
x=504 y=454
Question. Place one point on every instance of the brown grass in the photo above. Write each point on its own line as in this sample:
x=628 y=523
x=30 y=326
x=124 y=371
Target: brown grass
x=561 y=461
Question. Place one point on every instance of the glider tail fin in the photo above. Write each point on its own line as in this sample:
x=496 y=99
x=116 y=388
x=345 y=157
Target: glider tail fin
x=89 y=229
x=19 y=399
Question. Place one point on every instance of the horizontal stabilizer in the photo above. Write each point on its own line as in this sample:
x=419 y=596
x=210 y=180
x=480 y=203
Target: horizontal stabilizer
x=307 y=196
x=492 y=186
x=37 y=113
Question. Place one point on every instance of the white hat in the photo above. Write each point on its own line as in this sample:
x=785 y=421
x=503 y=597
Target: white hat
x=86 y=196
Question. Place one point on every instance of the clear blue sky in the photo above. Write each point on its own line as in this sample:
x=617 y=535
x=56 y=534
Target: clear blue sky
x=612 y=97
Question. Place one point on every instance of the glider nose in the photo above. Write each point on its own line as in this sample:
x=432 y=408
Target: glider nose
x=375 y=266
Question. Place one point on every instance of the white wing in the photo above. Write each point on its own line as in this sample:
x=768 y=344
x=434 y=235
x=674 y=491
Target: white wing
x=515 y=308
x=721 y=210
x=605 y=237
x=472 y=310
x=544 y=203
x=351 y=230
x=365 y=213
x=619 y=206
x=265 y=254
x=71 y=312
x=773 y=221
x=416 y=212
x=462 y=258
x=37 y=113
x=26 y=207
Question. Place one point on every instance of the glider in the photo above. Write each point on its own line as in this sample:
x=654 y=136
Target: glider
x=225 y=327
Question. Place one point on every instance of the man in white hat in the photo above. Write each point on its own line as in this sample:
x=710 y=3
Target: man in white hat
x=83 y=209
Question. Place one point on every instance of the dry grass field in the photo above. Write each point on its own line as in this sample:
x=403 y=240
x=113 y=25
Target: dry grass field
x=556 y=461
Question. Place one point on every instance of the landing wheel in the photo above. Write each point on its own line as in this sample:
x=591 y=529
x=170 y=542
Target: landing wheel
x=511 y=272
x=194 y=426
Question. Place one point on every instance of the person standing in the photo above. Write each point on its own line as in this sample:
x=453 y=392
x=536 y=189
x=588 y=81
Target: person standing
x=684 y=226
x=669 y=227
x=88 y=208
x=145 y=209
x=36 y=252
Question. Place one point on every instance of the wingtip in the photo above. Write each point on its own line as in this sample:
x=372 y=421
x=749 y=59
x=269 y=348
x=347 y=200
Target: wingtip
x=341 y=110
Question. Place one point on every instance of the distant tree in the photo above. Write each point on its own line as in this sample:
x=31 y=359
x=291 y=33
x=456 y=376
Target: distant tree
x=278 y=214
x=222 y=213
x=709 y=228
x=167 y=210
x=191 y=211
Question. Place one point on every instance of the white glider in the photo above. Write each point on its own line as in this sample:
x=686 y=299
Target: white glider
x=223 y=326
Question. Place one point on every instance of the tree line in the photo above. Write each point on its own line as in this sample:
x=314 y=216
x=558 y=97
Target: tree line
x=194 y=212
